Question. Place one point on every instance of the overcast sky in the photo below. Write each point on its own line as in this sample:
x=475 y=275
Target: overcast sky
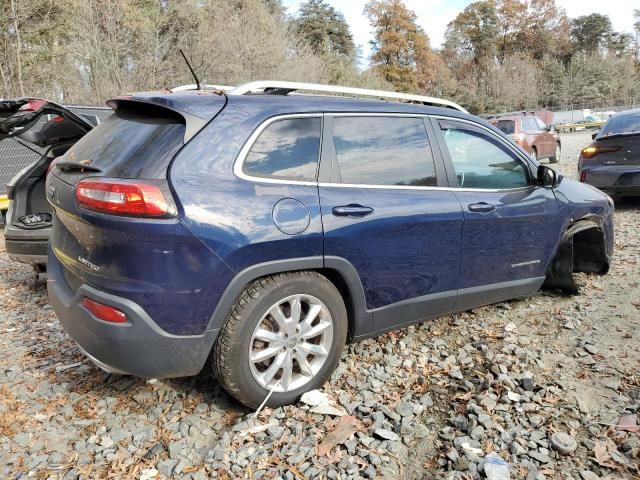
x=434 y=15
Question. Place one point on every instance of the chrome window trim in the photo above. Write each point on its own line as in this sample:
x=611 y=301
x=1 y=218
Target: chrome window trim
x=244 y=151
x=246 y=148
x=517 y=153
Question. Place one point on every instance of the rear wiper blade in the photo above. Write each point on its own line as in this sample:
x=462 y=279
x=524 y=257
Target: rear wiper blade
x=66 y=165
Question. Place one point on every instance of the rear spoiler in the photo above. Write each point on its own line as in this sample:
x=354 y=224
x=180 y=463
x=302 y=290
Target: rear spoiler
x=195 y=112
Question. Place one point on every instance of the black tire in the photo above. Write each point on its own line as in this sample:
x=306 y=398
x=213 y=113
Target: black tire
x=230 y=354
x=556 y=155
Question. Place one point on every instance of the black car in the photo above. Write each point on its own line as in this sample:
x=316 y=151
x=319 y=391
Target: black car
x=45 y=130
x=612 y=162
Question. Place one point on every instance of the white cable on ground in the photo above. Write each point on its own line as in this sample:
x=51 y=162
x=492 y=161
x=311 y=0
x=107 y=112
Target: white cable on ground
x=266 y=399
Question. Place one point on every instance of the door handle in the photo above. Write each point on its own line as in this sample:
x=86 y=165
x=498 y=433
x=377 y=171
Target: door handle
x=352 y=210
x=481 y=207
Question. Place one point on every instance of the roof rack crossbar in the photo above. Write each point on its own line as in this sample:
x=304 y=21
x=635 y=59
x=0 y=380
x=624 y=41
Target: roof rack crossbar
x=283 y=88
x=193 y=86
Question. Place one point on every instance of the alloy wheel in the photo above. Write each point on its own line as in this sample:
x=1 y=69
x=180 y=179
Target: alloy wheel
x=290 y=343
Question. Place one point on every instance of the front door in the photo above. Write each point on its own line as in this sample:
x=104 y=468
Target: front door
x=383 y=212
x=511 y=226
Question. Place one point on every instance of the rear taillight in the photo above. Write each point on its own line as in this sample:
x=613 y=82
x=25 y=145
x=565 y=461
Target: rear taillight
x=593 y=150
x=33 y=105
x=104 y=312
x=122 y=198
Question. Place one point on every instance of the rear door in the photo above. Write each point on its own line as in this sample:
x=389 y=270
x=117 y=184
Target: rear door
x=511 y=226
x=384 y=212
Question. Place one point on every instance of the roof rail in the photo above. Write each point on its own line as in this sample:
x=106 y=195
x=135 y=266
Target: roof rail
x=204 y=86
x=284 y=88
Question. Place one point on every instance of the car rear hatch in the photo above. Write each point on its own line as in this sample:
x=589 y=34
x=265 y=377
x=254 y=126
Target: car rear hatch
x=34 y=131
x=117 y=225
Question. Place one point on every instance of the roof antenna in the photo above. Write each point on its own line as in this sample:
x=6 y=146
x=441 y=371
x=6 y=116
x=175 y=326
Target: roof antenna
x=195 y=77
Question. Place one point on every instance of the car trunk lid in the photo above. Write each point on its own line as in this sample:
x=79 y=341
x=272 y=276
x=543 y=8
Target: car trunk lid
x=47 y=130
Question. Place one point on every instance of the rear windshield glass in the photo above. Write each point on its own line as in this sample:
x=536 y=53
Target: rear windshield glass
x=130 y=145
x=507 y=126
x=629 y=123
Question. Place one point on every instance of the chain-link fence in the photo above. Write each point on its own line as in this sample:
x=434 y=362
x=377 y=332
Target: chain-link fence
x=589 y=111
x=16 y=154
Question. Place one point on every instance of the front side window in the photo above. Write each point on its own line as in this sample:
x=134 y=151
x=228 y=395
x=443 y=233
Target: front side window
x=480 y=160
x=383 y=151
x=529 y=125
x=286 y=149
x=540 y=123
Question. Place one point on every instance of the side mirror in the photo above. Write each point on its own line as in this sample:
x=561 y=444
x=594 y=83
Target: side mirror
x=594 y=135
x=547 y=177
x=551 y=128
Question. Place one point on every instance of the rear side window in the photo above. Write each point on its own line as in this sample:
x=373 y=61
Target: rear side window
x=629 y=123
x=383 y=151
x=506 y=126
x=130 y=145
x=480 y=160
x=286 y=149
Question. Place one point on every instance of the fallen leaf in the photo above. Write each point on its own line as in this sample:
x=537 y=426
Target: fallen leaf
x=345 y=428
x=628 y=424
x=602 y=454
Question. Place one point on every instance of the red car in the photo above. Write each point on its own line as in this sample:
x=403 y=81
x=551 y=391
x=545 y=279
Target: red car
x=531 y=133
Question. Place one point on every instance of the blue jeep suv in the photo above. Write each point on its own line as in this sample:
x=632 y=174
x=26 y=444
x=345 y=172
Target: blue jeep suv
x=259 y=232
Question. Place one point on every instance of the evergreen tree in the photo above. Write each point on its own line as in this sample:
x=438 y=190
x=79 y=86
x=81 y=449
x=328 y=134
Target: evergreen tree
x=324 y=29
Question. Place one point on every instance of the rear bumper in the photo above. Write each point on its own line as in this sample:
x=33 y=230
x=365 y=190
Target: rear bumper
x=615 y=179
x=27 y=251
x=139 y=348
x=27 y=246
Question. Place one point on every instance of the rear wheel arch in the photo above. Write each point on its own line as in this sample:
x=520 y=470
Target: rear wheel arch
x=337 y=270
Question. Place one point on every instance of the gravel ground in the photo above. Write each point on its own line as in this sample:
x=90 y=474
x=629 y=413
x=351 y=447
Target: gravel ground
x=551 y=384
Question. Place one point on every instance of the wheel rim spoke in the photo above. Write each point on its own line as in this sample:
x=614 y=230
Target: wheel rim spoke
x=278 y=316
x=267 y=336
x=313 y=312
x=270 y=372
x=296 y=309
x=316 y=330
x=305 y=368
x=264 y=354
x=287 y=371
x=313 y=349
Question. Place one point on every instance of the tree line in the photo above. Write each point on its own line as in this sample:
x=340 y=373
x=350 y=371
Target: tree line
x=497 y=54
